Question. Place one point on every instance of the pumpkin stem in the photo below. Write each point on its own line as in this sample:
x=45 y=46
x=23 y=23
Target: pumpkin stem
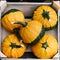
x=16 y=31
x=45 y=14
x=22 y=23
x=13 y=45
x=44 y=45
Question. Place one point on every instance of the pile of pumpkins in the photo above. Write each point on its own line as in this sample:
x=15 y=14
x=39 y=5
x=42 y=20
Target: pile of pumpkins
x=30 y=33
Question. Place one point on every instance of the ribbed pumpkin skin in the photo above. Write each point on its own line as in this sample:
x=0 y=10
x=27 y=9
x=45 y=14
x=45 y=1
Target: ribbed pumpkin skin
x=50 y=51
x=8 y=19
x=12 y=52
x=30 y=32
x=47 y=23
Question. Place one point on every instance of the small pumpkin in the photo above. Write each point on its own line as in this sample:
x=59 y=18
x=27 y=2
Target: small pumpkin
x=31 y=32
x=12 y=47
x=47 y=16
x=12 y=15
x=47 y=47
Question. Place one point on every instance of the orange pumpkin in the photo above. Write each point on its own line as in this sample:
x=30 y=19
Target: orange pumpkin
x=11 y=16
x=47 y=16
x=47 y=47
x=31 y=32
x=12 y=47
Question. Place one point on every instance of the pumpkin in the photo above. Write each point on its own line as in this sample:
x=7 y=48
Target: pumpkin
x=12 y=47
x=12 y=15
x=31 y=32
x=47 y=47
x=47 y=16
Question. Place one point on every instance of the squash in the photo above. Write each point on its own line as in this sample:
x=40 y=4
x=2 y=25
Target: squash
x=13 y=48
x=31 y=32
x=47 y=47
x=12 y=15
x=47 y=16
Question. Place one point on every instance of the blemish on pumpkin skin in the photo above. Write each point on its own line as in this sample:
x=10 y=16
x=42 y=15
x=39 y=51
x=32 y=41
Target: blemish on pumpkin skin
x=12 y=22
x=49 y=19
x=22 y=45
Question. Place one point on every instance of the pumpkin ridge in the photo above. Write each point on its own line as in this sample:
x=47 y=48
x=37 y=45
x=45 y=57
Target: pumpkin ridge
x=5 y=23
x=38 y=37
x=9 y=23
x=32 y=31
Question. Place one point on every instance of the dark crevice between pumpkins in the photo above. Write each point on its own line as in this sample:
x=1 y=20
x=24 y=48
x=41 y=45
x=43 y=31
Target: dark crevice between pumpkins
x=13 y=45
x=44 y=45
x=16 y=32
x=45 y=14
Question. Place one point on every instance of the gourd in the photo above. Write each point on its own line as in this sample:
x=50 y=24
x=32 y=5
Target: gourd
x=31 y=32
x=12 y=15
x=12 y=47
x=47 y=16
x=47 y=47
